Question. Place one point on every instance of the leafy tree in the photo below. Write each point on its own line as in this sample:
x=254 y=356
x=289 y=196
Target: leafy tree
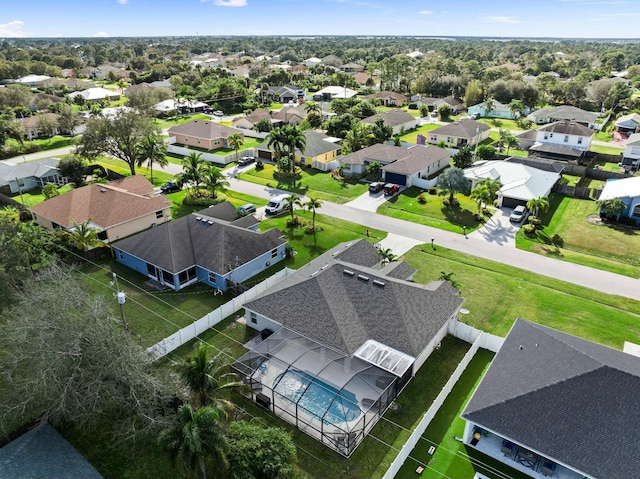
x=256 y=452
x=536 y=205
x=452 y=180
x=380 y=132
x=192 y=173
x=612 y=208
x=263 y=125
x=208 y=378
x=373 y=170
x=236 y=140
x=152 y=149
x=617 y=94
x=473 y=93
x=444 y=111
x=463 y=158
x=68 y=120
x=16 y=131
x=196 y=440
x=214 y=180
x=312 y=205
x=340 y=125
x=71 y=363
x=486 y=152
x=50 y=190
x=46 y=126
x=118 y=137
x=72 y=167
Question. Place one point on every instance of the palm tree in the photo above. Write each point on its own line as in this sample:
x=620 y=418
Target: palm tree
x=292 y=201
x=312 y=205
x=611 y=208
x=276 y=139
x=517 y=108
x=152 y=149
x=448 y=277
x=387 y=255
x=493 y=186
x=373 y=169
x=511 y=141
x=236 y=140
x=264 y=90
x=122 y=84
x=196 y=438
x=214 y=180
x=192 y=172
x=481 y=195
x=208 y=378
x=489 y=106
x=295 y=140
x=312 y=107
x=538 y=204
x=84 y=235
x=357 y=136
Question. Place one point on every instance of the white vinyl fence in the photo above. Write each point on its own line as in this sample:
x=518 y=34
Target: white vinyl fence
x=186 y=334
x=479 y=340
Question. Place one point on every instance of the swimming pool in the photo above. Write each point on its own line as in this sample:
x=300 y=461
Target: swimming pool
x=317 y=397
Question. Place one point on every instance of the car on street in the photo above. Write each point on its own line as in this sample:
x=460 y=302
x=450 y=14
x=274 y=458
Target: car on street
x=376 y=186
x=391 y=189
x=218 y=113
x=245 y=160
x=518 y=214
x=169 y=187
x=247 y=209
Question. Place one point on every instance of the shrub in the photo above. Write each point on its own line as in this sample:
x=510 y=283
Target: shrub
x=413 y=106
x=203 y=200
x=529 y=230
x=422 y=199
x=433 y=190
x=259 y=165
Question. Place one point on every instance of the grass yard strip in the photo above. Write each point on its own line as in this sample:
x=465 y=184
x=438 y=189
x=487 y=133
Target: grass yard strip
x=33 y=197
x=119 y=166
x=497 y=294
x=178 y=208
x=412 y=136
x=405 y=206
x=314 y=183
x=608 y=150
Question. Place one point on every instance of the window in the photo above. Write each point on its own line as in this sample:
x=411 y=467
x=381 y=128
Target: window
x=546 y=136
x=253 y=317
x=274 y=253
x=212 y=278
x=579 y=140
x=186 y=139
x=159 y=214
x=566 y=138
x=120 y=255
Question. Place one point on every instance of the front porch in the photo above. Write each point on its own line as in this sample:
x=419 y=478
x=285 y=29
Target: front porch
x=516 y=456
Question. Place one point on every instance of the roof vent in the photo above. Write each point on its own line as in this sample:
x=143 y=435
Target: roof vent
x=348 y=272
x=210 y=222
x=379 y=283
x=198 y=218
x=102 y=190
x=362 y=277
x=314 y=273
x=325 y=266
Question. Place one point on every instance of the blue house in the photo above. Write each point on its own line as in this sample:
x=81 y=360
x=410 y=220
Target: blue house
x=498 y=110
x=627 y=190
x=211 y=246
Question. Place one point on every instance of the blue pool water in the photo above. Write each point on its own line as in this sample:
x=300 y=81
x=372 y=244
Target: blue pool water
x=319 y=398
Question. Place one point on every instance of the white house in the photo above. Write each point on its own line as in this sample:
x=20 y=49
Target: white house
x=562 y=139
x=631 y=155
x=628 y=190
x=332 y=92
x=95 y=94
x=498 y=110
x=312 y=62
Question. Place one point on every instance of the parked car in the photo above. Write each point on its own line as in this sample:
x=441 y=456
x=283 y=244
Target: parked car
x=518 y=214
x=376 y=186
x=249 y=208
x=475 y=116
x=434 y=114
x=276 y=205
x=245 y=160
x=218 y=113
x=169 y=187
x=391 y=189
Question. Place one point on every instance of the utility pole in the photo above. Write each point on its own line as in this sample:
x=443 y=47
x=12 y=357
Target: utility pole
x=121 y=296
x=20 y=190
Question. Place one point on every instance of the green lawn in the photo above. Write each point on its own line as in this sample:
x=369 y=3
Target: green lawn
x=405 y=206
x=496 y=294
x=412 y=136
x=179 y=209
x=600 y=246
x=35 y=196
x=314 y=183
x=13 y=148
x=609 y=150
x=451 y=458
x=119 y=166
x=166 y=123
x=502 y=123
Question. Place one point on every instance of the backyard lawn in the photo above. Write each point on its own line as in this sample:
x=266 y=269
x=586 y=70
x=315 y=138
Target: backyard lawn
x=165 y=124
x=35 y=196
x=579 y=241
x=412 y=136
x=179 y=209
x=503 y=123
x=313 y=183
x=405 y=206
x=609 y=150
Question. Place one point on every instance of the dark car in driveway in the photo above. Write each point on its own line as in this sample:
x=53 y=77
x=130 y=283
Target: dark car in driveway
x=169 y=187
x=245 y=160
x=391 y=189
x=376 y=186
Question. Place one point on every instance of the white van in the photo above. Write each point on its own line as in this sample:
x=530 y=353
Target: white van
x=276 y=205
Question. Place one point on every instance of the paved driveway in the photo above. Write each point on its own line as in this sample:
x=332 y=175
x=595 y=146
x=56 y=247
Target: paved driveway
x=369 y=201
x=498 y=229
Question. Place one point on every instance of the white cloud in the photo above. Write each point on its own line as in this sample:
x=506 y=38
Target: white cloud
x=123 y=2
x=12 y=29
x=425 y=12
x=101 y=34
x=500 y=19
x=230 y=3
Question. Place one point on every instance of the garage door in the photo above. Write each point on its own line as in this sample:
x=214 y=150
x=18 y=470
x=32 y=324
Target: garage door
x=512 y=202
x=395 y=178
x=264 y=154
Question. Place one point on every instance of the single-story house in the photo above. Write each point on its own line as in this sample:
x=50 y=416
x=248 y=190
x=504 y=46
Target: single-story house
x=95 y=94
x=33 y=80
x=461 y=133
x=628 y=190
x=321 y=151
x=355 y=163
x=520 y=183
x=32 y=125
x=351 y=334
x=420 y=167
x=283 y=94
x=332 y=92
x=43 y=98
x=552 y=404
x=564 y=113
x=290 y=115
x=42 y=452
x=399 y=120
x=181 y=105
x=212 y=246
x=631 y=155
x=352 y=67
x=456 y=104
x=387 y=98
x=562 y=140
x=118 y=209
x=498 y=110
x=312 y=62
x=628 y=124
x=203 y=134
x=527 y=138
x=29 y=175
x=249 y=121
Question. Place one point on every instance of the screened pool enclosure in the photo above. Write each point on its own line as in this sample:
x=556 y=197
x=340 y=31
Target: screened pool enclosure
x=334 y=397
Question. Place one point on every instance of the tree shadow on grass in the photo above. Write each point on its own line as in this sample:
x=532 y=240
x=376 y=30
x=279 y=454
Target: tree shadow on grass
x=457 y=215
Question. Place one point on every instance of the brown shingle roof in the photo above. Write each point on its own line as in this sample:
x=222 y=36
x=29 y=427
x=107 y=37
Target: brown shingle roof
x=208 y=130
x=391 y=118
x=104 y=204
x=465 y=128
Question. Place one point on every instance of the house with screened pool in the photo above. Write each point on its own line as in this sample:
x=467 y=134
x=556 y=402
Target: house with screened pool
x=342 y=336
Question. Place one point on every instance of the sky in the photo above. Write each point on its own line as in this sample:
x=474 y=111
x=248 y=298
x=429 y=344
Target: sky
x=479 y=18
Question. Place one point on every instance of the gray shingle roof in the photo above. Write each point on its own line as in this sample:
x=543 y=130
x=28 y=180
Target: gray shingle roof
x=465 y=128
x=343 y=311
x=185 y=242
x=380 y=152
x=418 y=158
x=42 y=453
x=391 y=118
x=557 y=150
x=203 y=129
x=567 y=128
x=566 y=112
x=566 y=398
x=316 y=144
x=27 y=169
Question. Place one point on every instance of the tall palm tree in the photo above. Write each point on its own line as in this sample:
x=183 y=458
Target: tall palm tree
x=84 y=235
x=192 y=172
x=373 y=170
x=481 y=195
x=312 y=205
x=264 y=90
x=387 y=255
x=236 y=140
x=196 y=439
x=152 y=149
x=493 y=186
x=312 y=107
x=511 y=141
x=292 y=201
x=214 y=180
x=356 y=137
x=295 y=140
x=276 y=140
x=538 y=204
x=208 y=378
